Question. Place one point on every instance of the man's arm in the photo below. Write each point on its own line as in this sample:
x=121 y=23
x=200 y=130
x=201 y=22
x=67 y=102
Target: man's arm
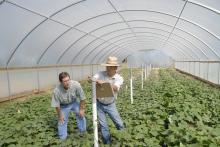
x=55 y=103
x=115 y=88
x=81 y=95
x=82 y=108
x=60 y=115
x=90 y=79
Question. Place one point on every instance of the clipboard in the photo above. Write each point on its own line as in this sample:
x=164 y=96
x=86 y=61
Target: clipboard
x=104 y=90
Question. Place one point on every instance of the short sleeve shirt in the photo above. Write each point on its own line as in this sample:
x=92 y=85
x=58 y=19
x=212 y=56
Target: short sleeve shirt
x=116 y=80
x=62 y=96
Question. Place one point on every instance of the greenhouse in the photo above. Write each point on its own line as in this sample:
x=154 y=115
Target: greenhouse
x=134 y=73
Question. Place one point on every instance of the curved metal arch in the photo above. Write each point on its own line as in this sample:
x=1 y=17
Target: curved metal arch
x=67 y=49
x=115 y=12
x=46 y=18
x=191 y=22
x=208 y=8
x=127 y=21
x=115 y=50
x=119 y=49
x=136 y=32
x=38 y=62
x=124 y=42
x=15 y=50
x=166 y=25
x=101 y=16
x=123 y=55
x=161 y=30
x=104 y=42
x=170 y=43
x=210 y=48
x=111 y=48
x=155 y=29
x=181 y=38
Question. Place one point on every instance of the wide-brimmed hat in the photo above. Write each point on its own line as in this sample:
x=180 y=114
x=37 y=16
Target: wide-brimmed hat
x=111 y=61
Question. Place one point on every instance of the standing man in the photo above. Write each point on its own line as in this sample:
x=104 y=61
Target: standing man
x=64 y=99
x=106 y=105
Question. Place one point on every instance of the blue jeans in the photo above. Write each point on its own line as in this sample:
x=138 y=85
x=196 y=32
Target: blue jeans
x=81 y=121
x=111 y=110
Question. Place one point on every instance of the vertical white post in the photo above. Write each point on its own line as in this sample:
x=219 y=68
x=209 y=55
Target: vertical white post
x=38 y=80
x=94 y=110
x=9 y=84
x=147 y=69
x=126 y=88
x=142 y=77
x=145 y=74
x=208 y=71
x=199 y=69
x=219 y=73
x=131 y=86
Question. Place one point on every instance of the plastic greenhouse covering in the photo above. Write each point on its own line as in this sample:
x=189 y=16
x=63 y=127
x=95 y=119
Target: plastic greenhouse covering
x=41 y=38
x=70 y=32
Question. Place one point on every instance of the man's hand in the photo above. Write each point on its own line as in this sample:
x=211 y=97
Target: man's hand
x=89 y=79
x=81 y=113
x=100 y=82
x=60 y=115
x=82 y=108
x=61 y=118
x=115 y=88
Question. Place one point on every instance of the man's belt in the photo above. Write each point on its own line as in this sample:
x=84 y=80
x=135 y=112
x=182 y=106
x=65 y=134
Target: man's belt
x=105 y=104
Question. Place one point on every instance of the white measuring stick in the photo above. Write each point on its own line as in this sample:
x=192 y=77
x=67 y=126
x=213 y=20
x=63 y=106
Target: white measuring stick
x=131 y=86
x=142 y=77
x=94 y=113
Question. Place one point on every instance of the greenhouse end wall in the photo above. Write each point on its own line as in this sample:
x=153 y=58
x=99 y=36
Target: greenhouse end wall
x=207 y=70
x=20 y=82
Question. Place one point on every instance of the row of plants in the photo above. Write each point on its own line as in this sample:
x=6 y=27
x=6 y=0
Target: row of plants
x=171 y=110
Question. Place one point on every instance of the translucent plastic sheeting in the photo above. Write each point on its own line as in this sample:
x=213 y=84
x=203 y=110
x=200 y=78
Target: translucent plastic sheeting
x=58 y=48
x=12 y=29
x=50 y=32
x=35 y=44
x=47 y=78
x=197 y=69
x=41 y=6
x=4 y=91
x=143 y=58
x=208 y=71
x=24 y=81
x=213 y=72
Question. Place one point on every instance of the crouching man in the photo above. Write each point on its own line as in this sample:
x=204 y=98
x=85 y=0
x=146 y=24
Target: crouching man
x=64 y=99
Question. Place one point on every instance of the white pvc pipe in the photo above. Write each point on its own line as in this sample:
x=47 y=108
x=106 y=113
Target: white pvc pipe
x=131 y=86
x=94 y=112
x=142 y=77
x=145 y=72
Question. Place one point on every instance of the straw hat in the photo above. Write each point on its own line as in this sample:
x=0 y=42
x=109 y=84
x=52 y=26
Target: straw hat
x=111 y=61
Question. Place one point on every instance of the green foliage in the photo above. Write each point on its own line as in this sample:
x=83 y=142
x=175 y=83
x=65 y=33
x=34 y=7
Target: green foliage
x=172 y=110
